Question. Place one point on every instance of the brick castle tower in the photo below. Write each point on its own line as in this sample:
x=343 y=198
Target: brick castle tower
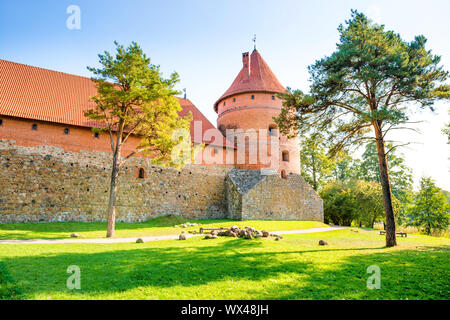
x=250 y=104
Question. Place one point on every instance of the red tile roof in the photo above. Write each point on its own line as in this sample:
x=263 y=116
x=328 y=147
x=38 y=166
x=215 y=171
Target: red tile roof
x=256 y=77
x=41 y=94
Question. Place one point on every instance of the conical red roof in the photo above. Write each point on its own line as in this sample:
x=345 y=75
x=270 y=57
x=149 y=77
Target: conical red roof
x=255 y=76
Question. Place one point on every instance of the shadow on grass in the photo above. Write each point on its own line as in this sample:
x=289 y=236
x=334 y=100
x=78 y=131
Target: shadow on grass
x=412 y=274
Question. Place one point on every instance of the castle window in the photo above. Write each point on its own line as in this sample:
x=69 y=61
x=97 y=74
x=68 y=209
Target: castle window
x=141 y=173
x=253 y=97
x=285 y=156
x=273 y=97
x=272 y=130
x=283 y=174
x=224 y=103
x=66 y=131
x=96 y=135
x=234 y=99
x=216 y=151
x=1 y=122
x=34 y=126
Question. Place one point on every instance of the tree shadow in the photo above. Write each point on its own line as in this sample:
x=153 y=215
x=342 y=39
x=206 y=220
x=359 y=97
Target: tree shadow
x=420 y=274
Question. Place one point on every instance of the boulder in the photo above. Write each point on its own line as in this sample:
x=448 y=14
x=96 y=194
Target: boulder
x=182 y=237
x=248 y=235
x=208 y=236
x=265 y=233
x=139 y=240
x=74 y=235
x=323 y=243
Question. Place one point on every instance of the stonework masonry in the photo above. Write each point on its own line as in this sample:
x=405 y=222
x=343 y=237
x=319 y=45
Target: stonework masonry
x=48 y=184
x=254 y=196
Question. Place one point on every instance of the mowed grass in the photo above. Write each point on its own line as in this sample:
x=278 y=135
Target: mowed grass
x=227 y=268
x=163 y=225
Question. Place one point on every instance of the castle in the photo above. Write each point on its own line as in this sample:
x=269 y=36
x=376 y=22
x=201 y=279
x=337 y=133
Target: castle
x=53 y=167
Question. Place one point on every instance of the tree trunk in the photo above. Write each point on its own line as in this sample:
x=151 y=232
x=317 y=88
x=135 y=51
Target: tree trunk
x=386 y=187
x=112 y=201
x=113 y=190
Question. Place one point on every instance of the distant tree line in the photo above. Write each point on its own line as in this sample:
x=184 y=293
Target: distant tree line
x=351 y=191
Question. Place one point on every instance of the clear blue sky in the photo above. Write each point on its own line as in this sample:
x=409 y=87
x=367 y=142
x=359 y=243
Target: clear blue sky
x=203 y=42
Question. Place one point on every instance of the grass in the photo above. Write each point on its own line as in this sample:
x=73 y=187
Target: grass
x=163 y=225
x=225 y=268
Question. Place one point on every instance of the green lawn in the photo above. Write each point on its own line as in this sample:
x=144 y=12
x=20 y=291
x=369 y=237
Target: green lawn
x=227 y=268
x=155 y=227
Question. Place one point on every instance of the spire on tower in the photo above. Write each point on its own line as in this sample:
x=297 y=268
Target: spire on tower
x=254 y=42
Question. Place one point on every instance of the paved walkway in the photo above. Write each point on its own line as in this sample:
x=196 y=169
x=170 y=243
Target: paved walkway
x=151 y=238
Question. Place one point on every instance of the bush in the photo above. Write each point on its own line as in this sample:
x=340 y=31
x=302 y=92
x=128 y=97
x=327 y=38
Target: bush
x=357 y=201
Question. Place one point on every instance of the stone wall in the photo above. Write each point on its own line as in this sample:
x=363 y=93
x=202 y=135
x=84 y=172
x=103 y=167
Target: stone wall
x=261 y=197
x=45 y=183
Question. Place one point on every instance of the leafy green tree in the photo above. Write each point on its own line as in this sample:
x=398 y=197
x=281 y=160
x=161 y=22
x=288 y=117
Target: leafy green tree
x=400 y=175
x=354 y=201
x=345 y=167
x=339 y=203
x=370 y=82
x=315 y=165
x=133 y=99
x=369 y=197
x=431 y=211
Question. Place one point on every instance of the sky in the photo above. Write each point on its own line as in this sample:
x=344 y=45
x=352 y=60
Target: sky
x=203 y=40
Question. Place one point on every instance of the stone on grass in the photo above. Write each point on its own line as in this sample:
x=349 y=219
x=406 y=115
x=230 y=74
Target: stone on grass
x=208 y=236
x=323 y=243
x=74 y=235
x=182 y=237
x=139 y=240
x=265 y=233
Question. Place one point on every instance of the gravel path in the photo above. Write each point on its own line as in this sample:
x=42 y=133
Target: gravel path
x=150 y=238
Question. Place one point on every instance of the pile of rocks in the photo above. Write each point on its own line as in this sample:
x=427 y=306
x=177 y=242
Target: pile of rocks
x=246 y=233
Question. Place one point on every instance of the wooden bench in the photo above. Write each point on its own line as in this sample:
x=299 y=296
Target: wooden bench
x=401 y=234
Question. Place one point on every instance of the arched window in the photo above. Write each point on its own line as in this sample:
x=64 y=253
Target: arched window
x=141 y=173
x=283 y=174
x=285 y=155
x=272 y=130
x=66 y=131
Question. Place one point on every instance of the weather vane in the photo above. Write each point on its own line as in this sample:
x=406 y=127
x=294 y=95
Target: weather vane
x=254 y=41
